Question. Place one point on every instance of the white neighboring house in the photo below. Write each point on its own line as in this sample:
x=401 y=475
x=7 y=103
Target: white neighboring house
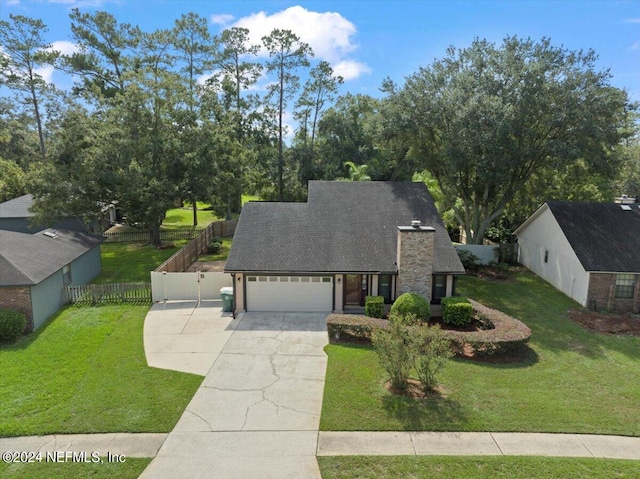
x=589 y=251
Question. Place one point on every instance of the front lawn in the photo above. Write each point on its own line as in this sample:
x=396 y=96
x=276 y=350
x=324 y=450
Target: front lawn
x=130 y=469
x=572 y=381
x=479 y=467
x=85 y=372
x=131 y=262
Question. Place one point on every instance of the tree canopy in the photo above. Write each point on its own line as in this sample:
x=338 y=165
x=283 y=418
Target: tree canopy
x=485 y=119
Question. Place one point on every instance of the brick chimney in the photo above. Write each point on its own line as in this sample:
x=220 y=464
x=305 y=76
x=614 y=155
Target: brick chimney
x=415 y=259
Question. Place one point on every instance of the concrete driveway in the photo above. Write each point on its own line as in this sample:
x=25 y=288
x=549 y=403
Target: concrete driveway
x=257 y=412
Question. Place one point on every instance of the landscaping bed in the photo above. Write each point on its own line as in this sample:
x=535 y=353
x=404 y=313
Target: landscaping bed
x=491 y=335
x=612 y=323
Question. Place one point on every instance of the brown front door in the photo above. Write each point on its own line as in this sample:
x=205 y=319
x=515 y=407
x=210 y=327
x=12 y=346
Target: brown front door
x=355 y=289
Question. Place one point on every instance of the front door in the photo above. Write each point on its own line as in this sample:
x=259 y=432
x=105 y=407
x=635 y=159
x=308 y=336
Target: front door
x=355 y=289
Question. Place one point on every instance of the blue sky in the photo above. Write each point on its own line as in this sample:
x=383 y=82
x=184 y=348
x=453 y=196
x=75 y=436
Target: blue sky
x=367 y=41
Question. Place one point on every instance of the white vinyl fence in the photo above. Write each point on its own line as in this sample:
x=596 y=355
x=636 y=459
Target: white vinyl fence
x=188 y=286
x=486 y=253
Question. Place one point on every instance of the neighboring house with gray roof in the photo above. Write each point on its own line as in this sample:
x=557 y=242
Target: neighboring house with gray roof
x=589 y=251
x=349 y=240
x=15 y=215
x=35 y=268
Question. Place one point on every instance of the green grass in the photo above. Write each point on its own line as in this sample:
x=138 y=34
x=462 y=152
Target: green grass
x=182 y=218
x=246 y=198
x=131 y=262
x=85 y=372
x=448 y=467
x=130 y=469
x=222 y=255
x=572 y=381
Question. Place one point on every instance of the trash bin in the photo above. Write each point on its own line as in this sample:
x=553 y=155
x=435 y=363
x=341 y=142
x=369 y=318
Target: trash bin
x=226 y=294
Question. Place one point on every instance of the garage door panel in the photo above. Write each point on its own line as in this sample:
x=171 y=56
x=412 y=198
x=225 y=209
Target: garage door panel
x=283 y=293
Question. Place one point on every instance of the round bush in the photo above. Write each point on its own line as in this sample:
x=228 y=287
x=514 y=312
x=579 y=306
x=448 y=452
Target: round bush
x=411 y=303
x=214 y=247
x=12 y=324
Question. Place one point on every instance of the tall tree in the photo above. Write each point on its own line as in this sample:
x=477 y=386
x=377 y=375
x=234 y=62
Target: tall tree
x=320 y=89
x=236 y=74
x=105 y=55
x=485 y=119
x=194 y=51
x=287 y=54
x=24 y=50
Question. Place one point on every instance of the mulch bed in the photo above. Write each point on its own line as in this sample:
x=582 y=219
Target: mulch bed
x=414 y=390
x=206 y=266
x=610 y=323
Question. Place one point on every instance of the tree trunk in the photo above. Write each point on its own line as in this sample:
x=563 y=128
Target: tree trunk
x=195 y=211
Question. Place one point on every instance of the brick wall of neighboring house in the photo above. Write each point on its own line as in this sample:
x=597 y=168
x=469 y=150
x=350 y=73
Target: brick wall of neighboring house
x=601 y=294
x=18 y=298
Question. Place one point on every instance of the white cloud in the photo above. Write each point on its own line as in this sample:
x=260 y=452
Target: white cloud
x=12 y=2
x=46 y=72
x=221 y=19
x=636 y=45
x=329 y=34
x=65 y=47
x=632 y=20
x=350 y=69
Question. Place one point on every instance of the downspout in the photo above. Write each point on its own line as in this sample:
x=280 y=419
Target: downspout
x=233 y=282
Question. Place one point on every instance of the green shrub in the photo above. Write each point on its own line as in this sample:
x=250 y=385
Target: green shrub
x=469 y=260
x=456 y=311
x=352 y=327
x=394 y=352
x=430 y=350
x=374 y=306
x=12 y=324
x=214 y=247
x=411 y=303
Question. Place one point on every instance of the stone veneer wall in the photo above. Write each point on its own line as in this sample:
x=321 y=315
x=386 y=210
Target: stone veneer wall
x=602 y=288
x=18 y=298
x=415 y=260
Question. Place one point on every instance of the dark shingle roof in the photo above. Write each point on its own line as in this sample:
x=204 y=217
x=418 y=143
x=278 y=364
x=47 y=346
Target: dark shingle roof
x=604 y=236
x=343 y=227
x=27 y=259
x=17 y=207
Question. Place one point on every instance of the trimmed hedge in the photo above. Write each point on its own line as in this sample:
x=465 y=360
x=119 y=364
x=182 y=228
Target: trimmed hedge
x=411 y=303
x=374 y=306
x=508 y=335
x=353 y=327
x=456 y=311
x=12 y=324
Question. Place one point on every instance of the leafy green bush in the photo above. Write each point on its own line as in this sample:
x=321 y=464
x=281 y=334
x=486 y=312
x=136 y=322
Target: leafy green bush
x=214 y=247
x=394 y=352
x=12 y=324
x=469 y=260
x=430 y=350
x=352 y=327
x=411 y=303
x=456 y=311
x=374 y=306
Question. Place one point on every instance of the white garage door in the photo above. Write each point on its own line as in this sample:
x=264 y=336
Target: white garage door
x=289 y=293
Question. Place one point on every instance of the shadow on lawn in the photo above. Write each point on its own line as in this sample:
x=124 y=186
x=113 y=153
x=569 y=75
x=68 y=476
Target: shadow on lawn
x=433 y=414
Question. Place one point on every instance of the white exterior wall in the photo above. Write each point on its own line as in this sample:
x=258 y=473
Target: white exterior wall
x=563 y=269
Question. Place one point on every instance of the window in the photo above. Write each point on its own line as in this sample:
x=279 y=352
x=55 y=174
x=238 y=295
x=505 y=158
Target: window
x=326 y=279
x=252 y=279
x=66 y=274
x=624 y=286
x=439 y=288
x=546 y=256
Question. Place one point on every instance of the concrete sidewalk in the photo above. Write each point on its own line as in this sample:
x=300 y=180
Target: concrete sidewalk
x=338 y=443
